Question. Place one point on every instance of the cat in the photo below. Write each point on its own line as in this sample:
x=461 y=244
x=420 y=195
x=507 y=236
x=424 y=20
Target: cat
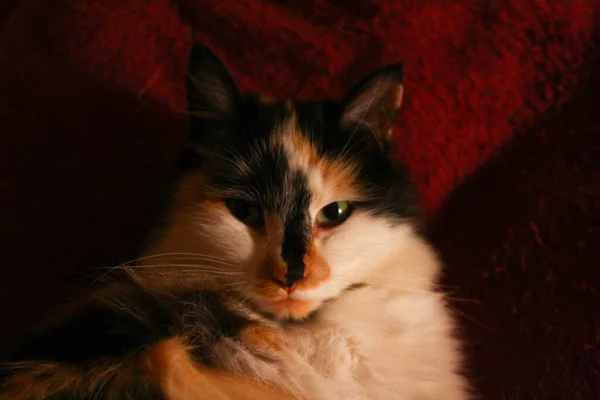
x=288 y=263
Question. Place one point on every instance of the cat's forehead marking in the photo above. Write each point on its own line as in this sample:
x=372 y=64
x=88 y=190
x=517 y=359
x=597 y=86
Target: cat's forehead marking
x=330 y=179
x=301 y=154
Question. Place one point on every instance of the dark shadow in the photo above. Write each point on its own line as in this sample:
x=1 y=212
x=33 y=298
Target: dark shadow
x=521 y=240
x=6 y=7
x=80 y=160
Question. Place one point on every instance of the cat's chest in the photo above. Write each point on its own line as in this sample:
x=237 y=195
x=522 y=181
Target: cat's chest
x=348 y=338
x=366 y=345
x=369 y=335
x=333 y=352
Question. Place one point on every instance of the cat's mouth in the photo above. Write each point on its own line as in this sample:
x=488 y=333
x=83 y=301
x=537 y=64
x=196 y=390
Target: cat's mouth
x=290 y=308
x=284 y=302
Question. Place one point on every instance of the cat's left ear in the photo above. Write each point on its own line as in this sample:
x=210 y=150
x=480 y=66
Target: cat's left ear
x=375 y=102
x=212 y=92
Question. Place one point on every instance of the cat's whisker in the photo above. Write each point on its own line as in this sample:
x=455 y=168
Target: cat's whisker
x=463 y=300
x=204 y=151
x=191 y=258
x=196 y=267
x=158 y=256
x=350 y=148
x=201 y=273
x=367 y=108
x=234 y=286
x=240 y=282
x=187 y=258
x=370 y=274
x=182 y=269
x=180 y=254
x=465 y=315
x=392 y=285
x=385 y=279
x=157 y=269
x=402 y=288
x=343 y=153
x=400 y=276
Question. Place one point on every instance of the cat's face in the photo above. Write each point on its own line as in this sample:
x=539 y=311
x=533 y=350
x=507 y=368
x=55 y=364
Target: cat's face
x=286 y=203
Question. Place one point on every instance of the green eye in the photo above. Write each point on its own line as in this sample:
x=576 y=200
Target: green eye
x=333 y=214
x=248 y=213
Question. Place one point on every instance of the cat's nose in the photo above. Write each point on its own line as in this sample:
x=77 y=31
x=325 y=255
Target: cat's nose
x=285 y=283
x=286 y=274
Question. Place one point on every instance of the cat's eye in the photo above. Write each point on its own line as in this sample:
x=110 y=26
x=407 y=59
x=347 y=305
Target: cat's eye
x=333 y=214
x=248 y=213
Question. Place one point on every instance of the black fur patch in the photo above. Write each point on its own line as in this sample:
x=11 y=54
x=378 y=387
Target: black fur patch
x=297 y=230
x=131 y=322
x=393 y=194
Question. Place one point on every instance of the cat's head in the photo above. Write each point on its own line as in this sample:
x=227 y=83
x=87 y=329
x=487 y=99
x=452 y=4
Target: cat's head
x=286 y=203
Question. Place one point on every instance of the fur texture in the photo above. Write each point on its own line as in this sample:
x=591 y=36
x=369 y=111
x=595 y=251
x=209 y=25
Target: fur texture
x=289 y=259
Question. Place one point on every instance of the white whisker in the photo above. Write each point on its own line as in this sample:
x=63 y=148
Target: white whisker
x=384 y=278
x=191 y=267
x=345 y=149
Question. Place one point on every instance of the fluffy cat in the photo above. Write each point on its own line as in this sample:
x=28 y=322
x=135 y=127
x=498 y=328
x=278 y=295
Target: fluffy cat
x=288 y=263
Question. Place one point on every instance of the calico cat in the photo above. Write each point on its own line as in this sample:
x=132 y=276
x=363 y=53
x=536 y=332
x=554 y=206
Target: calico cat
x=287 y=264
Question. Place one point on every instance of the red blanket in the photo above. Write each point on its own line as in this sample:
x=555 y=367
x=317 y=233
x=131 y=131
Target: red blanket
x=499 y=128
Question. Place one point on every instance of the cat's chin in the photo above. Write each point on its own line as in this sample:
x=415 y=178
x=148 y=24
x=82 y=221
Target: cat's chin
x=290 y=308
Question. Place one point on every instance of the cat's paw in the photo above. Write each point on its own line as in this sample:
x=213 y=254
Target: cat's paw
x=264 y=341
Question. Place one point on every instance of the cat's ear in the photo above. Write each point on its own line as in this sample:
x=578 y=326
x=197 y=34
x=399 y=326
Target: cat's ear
x=212 y=93
x=375 y=102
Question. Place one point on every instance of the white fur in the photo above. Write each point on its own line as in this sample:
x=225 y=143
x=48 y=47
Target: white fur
x=390 y=340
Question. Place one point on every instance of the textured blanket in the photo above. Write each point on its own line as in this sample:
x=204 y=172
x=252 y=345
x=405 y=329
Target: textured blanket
x=500 y=129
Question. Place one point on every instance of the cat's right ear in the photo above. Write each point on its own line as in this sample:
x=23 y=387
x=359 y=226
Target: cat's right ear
x=212 y=94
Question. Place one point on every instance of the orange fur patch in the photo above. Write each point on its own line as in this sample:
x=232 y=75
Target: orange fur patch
x=301 y=151
x=276 y=269
x=125 y=379
x=262 y=338
x=316 y=269
x=264 y=284
x=182 y=379
x=337 y=176
x=341 y=178
x=294 y=309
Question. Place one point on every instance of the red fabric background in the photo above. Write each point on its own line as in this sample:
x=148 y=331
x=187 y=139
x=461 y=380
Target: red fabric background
x=499 y=129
